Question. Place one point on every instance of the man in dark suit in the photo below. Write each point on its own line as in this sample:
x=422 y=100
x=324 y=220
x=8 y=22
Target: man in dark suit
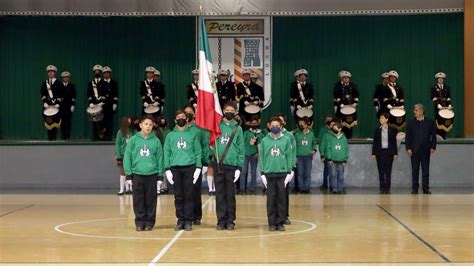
x=420 y=143
x=384 y=150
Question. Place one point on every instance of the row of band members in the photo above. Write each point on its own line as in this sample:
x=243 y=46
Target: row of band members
x=182 y=157
x=59 y=98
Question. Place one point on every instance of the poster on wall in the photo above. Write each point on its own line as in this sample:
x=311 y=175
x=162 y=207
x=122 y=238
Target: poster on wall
x=242 y=42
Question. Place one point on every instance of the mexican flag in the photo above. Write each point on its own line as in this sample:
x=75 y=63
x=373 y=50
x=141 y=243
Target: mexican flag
x=209 y=112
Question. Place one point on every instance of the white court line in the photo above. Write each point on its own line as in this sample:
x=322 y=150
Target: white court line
x=172 y=241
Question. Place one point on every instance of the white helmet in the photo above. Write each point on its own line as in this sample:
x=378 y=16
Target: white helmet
x=223 y=72
x=65 y=74
x=384 y=75
x=51 y=68
x=440 y=75
x=107 y=69
x=157 y=72
x=393 y=73
x=254 y=75
x=97 y=67
x=245 y=71
x=303 y=71
x=195 y=71
x=344 y=73
x=150 y=69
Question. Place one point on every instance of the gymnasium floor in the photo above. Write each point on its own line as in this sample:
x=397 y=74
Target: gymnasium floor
x=353 y=228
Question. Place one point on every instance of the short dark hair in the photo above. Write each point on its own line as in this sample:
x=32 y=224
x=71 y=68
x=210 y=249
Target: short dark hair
x=338 y=124
x=178 y=112
x=190 y=106
x=275 y=118
x=386 y=115
x=231 y=104
x=147 y=116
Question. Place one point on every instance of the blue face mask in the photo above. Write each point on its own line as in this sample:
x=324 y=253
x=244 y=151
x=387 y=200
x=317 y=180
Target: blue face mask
x=275 y=130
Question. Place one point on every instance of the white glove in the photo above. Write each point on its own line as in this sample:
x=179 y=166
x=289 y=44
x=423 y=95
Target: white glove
x=114 y=107
x=45 y=105
x=450 y=107
x=287 y=179
x=389 y=106
x=56 y=105
x=169 y=177
x=298 y=107
x=158 y=184
x=439 y=106
x=292 y=108
x=73 y=108
x=195 y=105
x=246 y=103
x=376 y=108
x=155 y=104
x=129 y=182
x=255 y=102
x=145 y=104
x=264 y=180
x=342 y=105
x=196 y=175
x=91 y=105
x=335 y=109
x=204 y=170
x=292 y=175
x=310 y=106
x=354 y=105
x=236 y=175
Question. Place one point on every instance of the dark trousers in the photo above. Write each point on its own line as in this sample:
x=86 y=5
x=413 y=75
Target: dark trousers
x=251 y=160
x=303 y=172
x=326 y=175
x=441 y=133
x=287 y=202
x=276 y=200
x=144 y=200
x=98 y=131
x=183 y=192
x=384 y=165
x=421 y=157
x=66 y=118
x=197 y=210
x=52 y=133
x=108 y=122
x=225 y=195
x=348 y=132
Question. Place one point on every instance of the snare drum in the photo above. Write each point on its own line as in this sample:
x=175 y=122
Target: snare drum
x=397 y=112
x=446 y=113
x=397 y=117
x=51 y=117
x=348 y=110
x=151 y=109
x=252 y=109
x=95 y=114
x=304 y=112
x=51 y=111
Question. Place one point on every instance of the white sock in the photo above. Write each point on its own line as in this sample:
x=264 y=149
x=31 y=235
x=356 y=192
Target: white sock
x=127 y=186
x=210 y=183
x=122 y=183
x=158 y=187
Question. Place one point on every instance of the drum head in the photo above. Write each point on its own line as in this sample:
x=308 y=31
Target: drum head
x=446 y=113
x=94 y=110
x=252 y=109
x=151 y=109
x=397 y=112
x=50 y=111
x=348 y=110
x=304 y=112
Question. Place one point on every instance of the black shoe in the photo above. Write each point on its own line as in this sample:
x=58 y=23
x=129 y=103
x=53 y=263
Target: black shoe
x=230 y=227
x=272 y=228
x=148 y=228
x=287 y=221
x=251 y=193
x=164 y=191
x=281 y=228
x=120 y=193
x=139 y=228
x=426 y=192
x=388 y=192
x=128 y=192
x=220 y=227
x=197 y=222
x=334 y=192
x=188 y=227
x=414 y=192
x=343 y=192
x=179 y=227
x=323 y=187
x=381 y=192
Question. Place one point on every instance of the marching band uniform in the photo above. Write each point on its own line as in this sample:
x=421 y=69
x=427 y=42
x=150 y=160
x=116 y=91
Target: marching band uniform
x=96 y=96
x=192 y=89
x=301 y=95
x=441 y=97
x=346 y=93
x=394 y=97
x=51 y=98
x=68 y=91
x=150 y=92
x=225 y=88
x=248 y=93
x=161 y=90
x=379 y=94
x=110 y=87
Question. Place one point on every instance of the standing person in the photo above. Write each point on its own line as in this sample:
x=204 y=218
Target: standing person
x=150 y=94
x=192 y=89
x=384 y=151
x=337 y=154
x=394 y=98
x=441 y=97
x=346 y=98
x=306 y=148
x=51 y=98
x=111 y=89
x=68 y=91
x=228 y=152
x=143 y=164
x=250 y=97
x=275 y=166
x=122 y=138
x=420 y=143
x=302 y=96
x=203 y=136
x=379 y=94
x=326 y=129
x=182 y=161
x=96 y=97
x=252 y=138
x=225 y=88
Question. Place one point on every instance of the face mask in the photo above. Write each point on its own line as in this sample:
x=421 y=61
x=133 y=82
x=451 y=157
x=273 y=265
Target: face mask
x=97 y=75
x=229 y=115
x=275 y=130
x=190 y=116
x=181 y=122
x=254 y=126
x=163 y=124
x=300 y=127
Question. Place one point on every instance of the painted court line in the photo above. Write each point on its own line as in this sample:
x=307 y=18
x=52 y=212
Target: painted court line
x=16 y=210
x=172 y=241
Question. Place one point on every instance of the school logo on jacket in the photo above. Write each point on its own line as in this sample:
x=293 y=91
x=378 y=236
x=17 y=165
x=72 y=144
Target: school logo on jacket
x=275 y=151
x=304 y=142
x=144 y=152
x=225 y=139
x=337 y=147
x=181 y=144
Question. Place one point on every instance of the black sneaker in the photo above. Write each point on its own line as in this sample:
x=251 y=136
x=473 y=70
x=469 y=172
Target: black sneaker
x=129 y=192
x=230 y=227
x=426 y=192
x=197 y=222
x=148 y=228
x=139 y=228
x=414 y=192
x=287 y=221
x=281 y=228
x=179 y=227
x=220 y=227
x=188 y=227
x=272 y=228
x=323 y=187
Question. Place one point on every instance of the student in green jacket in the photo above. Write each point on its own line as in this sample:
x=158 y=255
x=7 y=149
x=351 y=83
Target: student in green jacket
x=306 y=147
x=121 y=140
x=322 y=132
x=252 y=138
x=182 y=161
x=337 y=154
x=143 y=164
x=291 y=137
x=203 y=138
x=227 y=172
x=276 y=166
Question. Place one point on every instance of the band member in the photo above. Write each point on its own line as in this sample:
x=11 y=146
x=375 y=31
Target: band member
x=68 y=92
x=110 y=103
x=379 y=94
x=301 y=97
x=51 y=98
x=254 y=79
x=96 y=97
x=225 y=88
x=192 y=89
x=441 y=97
x=150 y=94
x=161 y=88
x=346 y=95
x=394 y=98
x=248 y=94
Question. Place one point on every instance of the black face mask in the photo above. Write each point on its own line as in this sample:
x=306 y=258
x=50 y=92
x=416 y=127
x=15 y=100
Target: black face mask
x=190 y=117
x=254 y=126
x=181 y=122
x=300 y=127
x=229 y=115
x=163 y=124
